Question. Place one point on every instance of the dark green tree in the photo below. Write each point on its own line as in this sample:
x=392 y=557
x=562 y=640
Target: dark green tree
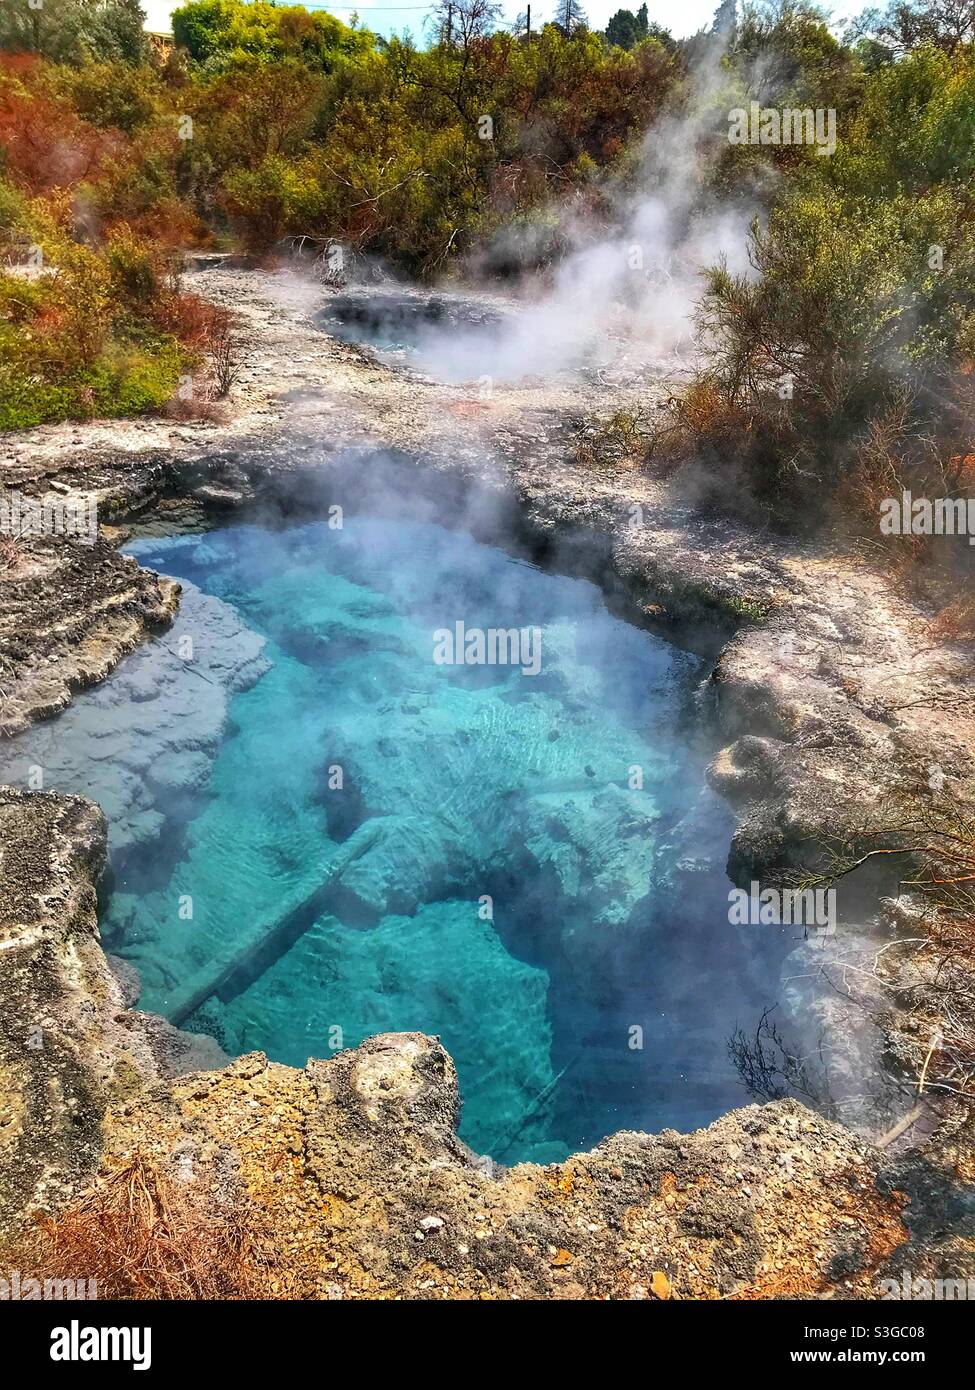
x=623 y=29
x=725 y=21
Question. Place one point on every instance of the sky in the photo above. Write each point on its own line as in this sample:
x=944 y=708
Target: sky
x=681 y=17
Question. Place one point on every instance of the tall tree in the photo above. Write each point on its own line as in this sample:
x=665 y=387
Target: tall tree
x=460 y=22
x=908 y=24
x=570 y=16
x=623 y=29
x=725 y=21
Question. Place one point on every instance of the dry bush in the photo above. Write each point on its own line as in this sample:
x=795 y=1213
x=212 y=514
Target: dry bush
x=929 y=972
x=630 y=430
x=701 y=421
x=224 y=361
x=143 y=1235
x=895 y=453
x=955 y=623
x=191 y=319
x=806 y=468
x=171 y=225
x=877 y=466
x=208 y=331
x=9 y=553
x=882 y=460
x=197 y=406
x=620 y=439
x=933 y=978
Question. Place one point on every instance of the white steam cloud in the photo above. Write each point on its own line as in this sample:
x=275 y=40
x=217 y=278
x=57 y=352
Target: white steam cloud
x=629 y=290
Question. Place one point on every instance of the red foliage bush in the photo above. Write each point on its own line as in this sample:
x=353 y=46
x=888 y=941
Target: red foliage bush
x=191 y=319
x=46 y=145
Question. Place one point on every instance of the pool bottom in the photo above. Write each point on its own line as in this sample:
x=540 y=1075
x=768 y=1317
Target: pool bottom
x=548 y=894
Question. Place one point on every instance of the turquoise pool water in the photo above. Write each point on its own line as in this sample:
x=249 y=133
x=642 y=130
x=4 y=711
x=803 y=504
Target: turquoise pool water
x=330 y=834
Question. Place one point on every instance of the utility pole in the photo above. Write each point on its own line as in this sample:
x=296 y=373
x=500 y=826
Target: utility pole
x=528 y=25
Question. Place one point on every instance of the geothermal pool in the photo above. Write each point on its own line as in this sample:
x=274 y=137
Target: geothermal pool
x=447 y=336
x=319 y=832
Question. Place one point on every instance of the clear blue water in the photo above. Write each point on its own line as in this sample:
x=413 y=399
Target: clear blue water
x=512 y=891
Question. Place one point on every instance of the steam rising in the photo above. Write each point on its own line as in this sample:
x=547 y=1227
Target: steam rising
x=627 y=291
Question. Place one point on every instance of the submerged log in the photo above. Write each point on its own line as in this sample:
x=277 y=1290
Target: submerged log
x=247 y=960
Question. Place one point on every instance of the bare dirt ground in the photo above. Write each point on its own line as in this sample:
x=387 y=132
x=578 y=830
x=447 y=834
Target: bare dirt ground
x=295 y=378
